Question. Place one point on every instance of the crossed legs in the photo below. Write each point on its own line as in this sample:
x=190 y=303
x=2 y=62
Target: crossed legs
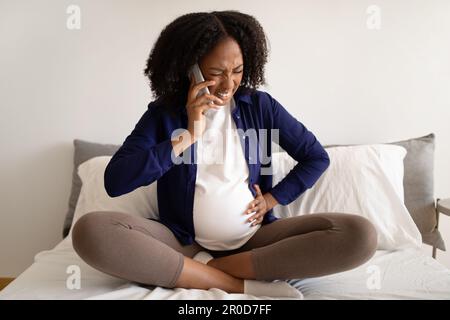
x=145 y=251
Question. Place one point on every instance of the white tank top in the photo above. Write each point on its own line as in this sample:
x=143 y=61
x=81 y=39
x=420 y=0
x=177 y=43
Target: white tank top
x=221 y=190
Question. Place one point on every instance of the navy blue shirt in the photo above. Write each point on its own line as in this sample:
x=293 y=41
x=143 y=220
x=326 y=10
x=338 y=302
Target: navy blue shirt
x=146 y=156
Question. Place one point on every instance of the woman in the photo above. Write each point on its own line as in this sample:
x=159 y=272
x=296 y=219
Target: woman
x=216 y=227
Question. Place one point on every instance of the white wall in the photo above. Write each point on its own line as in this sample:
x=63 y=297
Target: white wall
x=345 y=82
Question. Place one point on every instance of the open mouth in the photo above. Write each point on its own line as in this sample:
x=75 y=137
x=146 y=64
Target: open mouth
x=223 y=95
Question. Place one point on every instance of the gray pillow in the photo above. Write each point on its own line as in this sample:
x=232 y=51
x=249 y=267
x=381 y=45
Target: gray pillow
x=419 y=187
x=83 y=151
x=418 y=184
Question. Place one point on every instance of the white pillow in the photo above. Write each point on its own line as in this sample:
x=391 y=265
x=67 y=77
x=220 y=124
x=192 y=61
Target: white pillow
x=93 y=197
x=366 y=180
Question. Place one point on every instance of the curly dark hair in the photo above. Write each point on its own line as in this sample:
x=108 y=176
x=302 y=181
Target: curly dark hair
x=188 y=38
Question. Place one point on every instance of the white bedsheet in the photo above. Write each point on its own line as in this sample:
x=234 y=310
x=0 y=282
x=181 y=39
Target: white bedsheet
x=407 y=274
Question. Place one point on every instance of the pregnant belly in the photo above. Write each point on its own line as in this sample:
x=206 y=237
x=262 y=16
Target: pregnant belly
x=219 y=217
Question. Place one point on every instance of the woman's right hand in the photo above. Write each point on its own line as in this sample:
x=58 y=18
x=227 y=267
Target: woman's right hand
x=196 y=106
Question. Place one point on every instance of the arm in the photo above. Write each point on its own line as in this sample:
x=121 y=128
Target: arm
x=301 y=145
x=141 y=160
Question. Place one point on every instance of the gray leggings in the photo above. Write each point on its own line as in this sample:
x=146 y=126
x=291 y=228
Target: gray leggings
x=145 y=251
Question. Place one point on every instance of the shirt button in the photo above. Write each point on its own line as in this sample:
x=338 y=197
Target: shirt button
x=238 y=117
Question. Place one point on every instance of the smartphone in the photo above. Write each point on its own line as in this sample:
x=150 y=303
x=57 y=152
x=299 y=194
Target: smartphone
x=198 y=76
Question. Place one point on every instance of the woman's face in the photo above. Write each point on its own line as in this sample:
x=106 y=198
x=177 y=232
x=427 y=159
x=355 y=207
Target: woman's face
x=224 y=65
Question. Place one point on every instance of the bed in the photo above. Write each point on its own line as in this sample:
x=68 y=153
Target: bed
x=398 y=270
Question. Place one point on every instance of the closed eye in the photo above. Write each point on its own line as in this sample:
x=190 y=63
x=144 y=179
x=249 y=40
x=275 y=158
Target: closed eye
x=218 y=74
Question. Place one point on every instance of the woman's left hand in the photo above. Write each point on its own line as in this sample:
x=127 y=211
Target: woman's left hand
x=259 y=206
